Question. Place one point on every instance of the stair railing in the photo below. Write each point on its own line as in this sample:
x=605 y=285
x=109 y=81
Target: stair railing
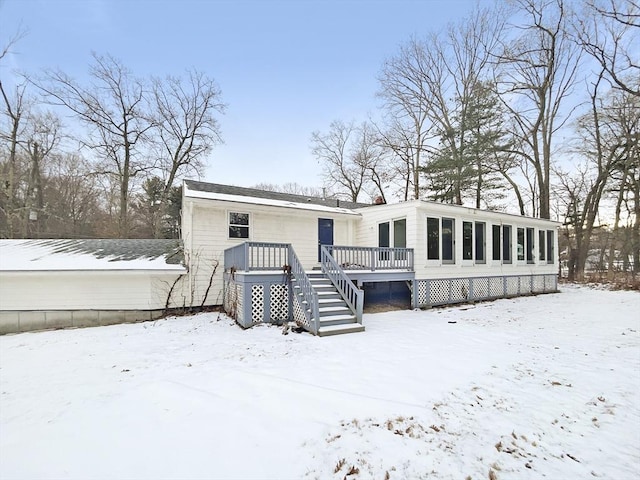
x=352 y=295
x=309 y=295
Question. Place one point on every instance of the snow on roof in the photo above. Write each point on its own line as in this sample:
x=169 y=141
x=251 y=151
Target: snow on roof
x=91 y=254
x=260 y=197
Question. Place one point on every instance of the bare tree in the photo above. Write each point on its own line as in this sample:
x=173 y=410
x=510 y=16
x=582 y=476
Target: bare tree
x=607 y=141
x=15 y=105
x=73 y=208
x=368 y=153
x=41 y=137
x=290 y=187
x=609 y=31
x=406 y=102
x=13 y=40
x=537 y=75
x=393 y=138
x=332 y=150
x=113 y=109
x=353 y=159
x=186 y=126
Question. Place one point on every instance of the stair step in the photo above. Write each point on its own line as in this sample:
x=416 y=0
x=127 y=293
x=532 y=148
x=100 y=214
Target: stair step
x=331 y=302
x=340 y=329
x=334 y=310
x=337 y=320
x=329 y=294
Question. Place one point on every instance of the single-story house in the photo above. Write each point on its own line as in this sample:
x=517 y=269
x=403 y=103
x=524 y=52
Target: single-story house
x=71 y=283
x=275 y=257
x=272 y=257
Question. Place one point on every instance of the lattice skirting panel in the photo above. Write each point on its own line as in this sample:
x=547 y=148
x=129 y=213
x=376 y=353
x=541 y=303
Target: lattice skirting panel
x=513 y=286
x=525 y=284
x=251 y=302
x=232 y=299
x=458 y=290
x=279 y=302
x=496 y=287
x=257 y=304
x=298 y=313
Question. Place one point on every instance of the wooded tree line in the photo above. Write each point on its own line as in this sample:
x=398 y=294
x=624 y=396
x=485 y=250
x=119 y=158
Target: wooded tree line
x=113 y=173
x=533 y=102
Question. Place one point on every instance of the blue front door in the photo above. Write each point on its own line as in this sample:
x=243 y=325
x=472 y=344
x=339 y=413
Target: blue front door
x=325 y=233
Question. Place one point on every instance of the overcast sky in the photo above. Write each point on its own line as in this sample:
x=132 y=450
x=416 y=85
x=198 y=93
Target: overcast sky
x=286 y=68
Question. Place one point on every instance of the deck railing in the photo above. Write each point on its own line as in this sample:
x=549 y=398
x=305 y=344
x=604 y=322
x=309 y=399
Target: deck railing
x=309 y=300
x=257 y=256
x=373 y=258
x=350 y=293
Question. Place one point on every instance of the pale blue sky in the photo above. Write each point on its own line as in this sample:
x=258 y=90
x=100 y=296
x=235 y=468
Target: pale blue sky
x=286 y=68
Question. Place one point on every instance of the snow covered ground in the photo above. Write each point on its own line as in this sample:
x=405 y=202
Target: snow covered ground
x=526 y=388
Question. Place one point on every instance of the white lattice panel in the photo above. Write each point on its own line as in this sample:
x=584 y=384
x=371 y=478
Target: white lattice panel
x=226 y=300
x=538 y=283
x=496 y=287
x=298 y=312
x=232 y=293
x=513 y=285
x=422 y=293
x=459 y=289
x=439 y=292
x=257 y=303
x=480 y=288
x=550 y=283
x=525 y=285
x=239 y=295
x=279 y=302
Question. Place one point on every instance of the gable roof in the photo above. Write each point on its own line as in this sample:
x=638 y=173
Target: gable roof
x=91 y=254
x=218 y=191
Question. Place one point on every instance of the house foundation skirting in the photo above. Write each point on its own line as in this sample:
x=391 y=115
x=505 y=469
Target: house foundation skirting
x=434 y=292
x=266 y=297
x=16 y=321
x=252 y=298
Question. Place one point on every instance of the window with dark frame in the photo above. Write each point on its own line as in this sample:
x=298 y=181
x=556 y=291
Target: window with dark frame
x=520 y=243
x=495 y=241
x=448 y=242
x=541 y=245
x=400 y=238
x=467 y=241
x=383 y=240
x=551 y=257
x=238 y=225
x=506 y=244
x=433 y=238
x=530 y=245
x=480 y=240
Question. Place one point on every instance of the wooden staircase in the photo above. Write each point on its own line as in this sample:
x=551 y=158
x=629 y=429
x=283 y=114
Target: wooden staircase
x=335 y=315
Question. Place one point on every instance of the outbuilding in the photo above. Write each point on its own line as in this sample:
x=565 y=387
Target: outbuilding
x=77 y=283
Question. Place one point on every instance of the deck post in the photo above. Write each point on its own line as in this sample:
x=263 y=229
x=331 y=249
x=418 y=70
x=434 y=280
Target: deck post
x=414 y=290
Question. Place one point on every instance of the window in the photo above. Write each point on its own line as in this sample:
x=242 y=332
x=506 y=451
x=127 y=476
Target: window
x=467 y=241
x=383 y=240
x=541 y=245
x=495 y=241
x=520 y=243
x=238 y=225
x=400 y=238
x=506 y=244
x=550 y=247
x=433 y=238
x=480 y=242
x=448 y=235
x=530 y=244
